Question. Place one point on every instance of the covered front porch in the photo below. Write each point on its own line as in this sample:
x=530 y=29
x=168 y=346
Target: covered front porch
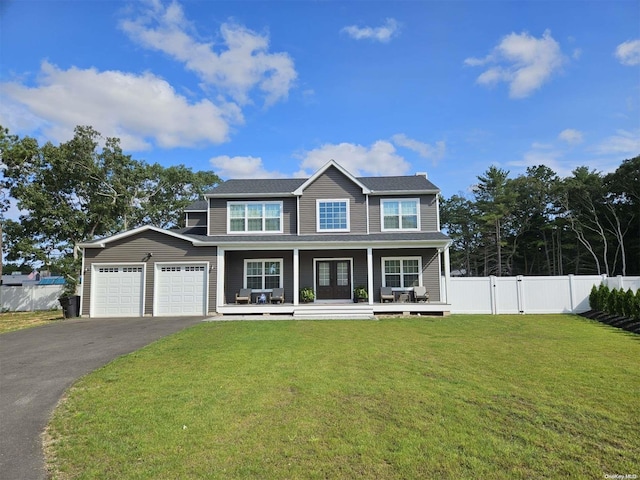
x=332 y=274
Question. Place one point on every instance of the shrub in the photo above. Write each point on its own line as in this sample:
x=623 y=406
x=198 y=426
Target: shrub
x=615 y=302
x=628 y=303
x=593 y=299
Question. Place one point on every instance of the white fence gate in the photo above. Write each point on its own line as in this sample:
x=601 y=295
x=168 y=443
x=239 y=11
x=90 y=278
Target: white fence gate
x=29 y=298
x=560 y=294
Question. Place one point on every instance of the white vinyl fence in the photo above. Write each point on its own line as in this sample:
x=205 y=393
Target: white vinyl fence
x=29 y=298
x=521 y=294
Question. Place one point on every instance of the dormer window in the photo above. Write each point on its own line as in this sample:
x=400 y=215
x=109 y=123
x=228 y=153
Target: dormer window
x=400 y=214
x=254 y=217
x=332 y=215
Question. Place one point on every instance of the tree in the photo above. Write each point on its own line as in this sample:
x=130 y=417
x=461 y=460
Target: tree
x=77 y=191
x=495 y=201
x=459 y=218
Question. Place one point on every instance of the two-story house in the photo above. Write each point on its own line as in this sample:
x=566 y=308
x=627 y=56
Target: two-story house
x=331 y=232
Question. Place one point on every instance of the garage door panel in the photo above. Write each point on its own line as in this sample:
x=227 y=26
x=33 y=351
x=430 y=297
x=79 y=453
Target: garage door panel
x=118 y=291
x=180 y=290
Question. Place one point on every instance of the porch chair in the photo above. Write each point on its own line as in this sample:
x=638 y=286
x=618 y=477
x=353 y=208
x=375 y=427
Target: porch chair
x=386 y=295
x=420 y=294
x=277 y=295
x=244 y=295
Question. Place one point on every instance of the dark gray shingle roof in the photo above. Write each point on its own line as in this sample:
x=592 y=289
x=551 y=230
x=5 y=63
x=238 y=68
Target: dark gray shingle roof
x=398 y=183
x=398 y=237
x=258 y=186
x=198 y=205
x=405 y=183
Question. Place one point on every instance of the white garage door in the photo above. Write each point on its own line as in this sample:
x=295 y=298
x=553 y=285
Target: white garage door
x=180 y=290
x=117 y=291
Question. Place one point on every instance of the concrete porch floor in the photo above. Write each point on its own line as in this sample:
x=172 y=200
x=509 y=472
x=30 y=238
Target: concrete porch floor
x=327 y=310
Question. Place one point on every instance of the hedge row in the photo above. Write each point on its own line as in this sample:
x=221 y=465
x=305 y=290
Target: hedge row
x=615 y=302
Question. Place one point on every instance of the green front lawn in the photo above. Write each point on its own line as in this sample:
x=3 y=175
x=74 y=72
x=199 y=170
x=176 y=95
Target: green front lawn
x=552 y=396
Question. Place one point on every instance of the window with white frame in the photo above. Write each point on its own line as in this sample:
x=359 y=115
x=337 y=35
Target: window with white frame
x=401 y=272
x=254 y=217
x=263 y=274
x=400 y=214
x=332 y=215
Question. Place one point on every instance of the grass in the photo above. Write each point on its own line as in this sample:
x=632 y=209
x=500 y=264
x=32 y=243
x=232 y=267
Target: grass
x=18 y=320
x=553 y=396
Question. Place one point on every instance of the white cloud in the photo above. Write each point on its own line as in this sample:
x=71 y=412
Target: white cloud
x=524 y=62
x=241 y=167
x=546 y=155
x=425 y=150
x=138 y=109
x=382 y=34
x=623 y=142
x=379 y=159
x=571 y=136
x=244 y=64
x=628 y=53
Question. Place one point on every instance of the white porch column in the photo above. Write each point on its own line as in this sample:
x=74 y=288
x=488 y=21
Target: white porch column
x=296 y=276
x=220 y=300
x=370 y=274
x=447 y=274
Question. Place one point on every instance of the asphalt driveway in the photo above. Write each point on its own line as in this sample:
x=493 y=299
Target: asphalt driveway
x=38 y=364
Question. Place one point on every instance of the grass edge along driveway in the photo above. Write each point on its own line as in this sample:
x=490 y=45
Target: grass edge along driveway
x=553 y=396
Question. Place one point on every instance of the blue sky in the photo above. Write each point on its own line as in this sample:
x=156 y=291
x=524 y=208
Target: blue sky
x=276 y=89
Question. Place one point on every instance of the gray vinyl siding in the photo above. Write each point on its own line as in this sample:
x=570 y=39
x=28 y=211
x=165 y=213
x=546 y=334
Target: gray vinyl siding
x=430 y=269
x=428 y=212
x=332 y=184
x=134 y=249
x=234 y=275
x=196 y=219
x=218 y=214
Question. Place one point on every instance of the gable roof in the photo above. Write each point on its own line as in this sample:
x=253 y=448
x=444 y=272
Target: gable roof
x=102 y=242
x=278 y=187
x=324 y=168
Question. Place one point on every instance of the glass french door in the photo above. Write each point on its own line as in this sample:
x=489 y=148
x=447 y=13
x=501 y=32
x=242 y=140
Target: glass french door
x=333 y=279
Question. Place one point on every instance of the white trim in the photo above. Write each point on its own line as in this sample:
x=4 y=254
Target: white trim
x=399 y=229
x=402 y=287
x=370 y=274
x=92 y=292
x=324 y=168
x=220 y=276
x=296 y=276
x=263 y=260
x=246 y=218
x=438 y=212
x=158 y=266
x=334 y=200
x=332 y=259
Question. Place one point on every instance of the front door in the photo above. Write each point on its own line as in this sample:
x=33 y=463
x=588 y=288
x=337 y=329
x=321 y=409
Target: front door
x=333 y=279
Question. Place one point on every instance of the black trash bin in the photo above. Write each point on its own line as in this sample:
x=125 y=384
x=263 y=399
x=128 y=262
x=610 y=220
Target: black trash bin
x=70 y=306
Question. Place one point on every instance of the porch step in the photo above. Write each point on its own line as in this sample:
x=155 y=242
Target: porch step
x=342 y=312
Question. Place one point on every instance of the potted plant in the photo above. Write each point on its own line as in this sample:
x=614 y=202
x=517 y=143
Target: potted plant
x=360 y=294
x=307 y=295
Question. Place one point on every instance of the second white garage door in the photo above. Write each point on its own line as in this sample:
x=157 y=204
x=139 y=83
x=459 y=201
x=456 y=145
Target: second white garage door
x=180 y=289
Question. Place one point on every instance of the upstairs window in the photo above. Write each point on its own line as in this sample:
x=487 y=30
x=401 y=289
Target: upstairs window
x=401 y=214
x=254 y=217
x=401 y=272
x=332 y=215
